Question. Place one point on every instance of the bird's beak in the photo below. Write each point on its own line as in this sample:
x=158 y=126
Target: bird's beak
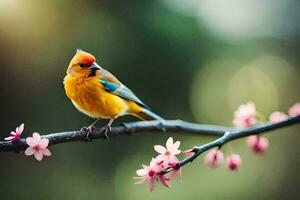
x=94 y=67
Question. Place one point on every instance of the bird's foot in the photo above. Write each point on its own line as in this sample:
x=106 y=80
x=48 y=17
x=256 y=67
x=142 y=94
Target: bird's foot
x=107 y=130
x=88 y=132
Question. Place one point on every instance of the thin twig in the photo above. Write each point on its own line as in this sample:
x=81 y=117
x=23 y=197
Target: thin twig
x=232 y=135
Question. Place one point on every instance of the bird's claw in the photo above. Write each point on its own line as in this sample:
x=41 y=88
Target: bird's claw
x=107 y=130
x=88 y=132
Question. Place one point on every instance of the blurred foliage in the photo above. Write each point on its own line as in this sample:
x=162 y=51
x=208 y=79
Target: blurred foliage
x=196 y=60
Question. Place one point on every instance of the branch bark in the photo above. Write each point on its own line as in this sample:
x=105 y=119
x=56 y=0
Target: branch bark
x=156 y=126
x=122 y=129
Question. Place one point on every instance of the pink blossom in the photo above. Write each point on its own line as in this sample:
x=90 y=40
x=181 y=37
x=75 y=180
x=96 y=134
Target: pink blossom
x=37 y=146
x=152 y=173
x=244 y=116
x=234 y=161
x=190 y=152
x=214 y=158
x=258 y=144
x=176 y=170
x=294 y=110
x=277 y=117
x=15 y=135
x=168 y=155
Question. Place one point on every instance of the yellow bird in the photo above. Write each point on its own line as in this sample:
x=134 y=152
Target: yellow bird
x=97 y=93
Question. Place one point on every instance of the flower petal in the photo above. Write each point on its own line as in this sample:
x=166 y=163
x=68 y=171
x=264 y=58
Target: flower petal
x=189 y=152
x=30 y=141
x=233 y=162
x=46 y=152
x=21 y=128
x=294 y=110
x=44 y=143
x=160 y=149
x=145 y=166
x=38 y=155
x=151 y=184
x=163 y=180
x=277 y=116
x=177 y=152
x=159 y=158
x=29 y=151
x=13 y=133
x=36 y=138
x=143 y=180
x=153 y=162
x=176 y=173
x=169 y=143
x=141 y=172
x=173 y=159
x=175 y=146
x=9 y=138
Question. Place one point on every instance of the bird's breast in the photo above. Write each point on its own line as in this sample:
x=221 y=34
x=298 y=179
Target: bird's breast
x=89 y=97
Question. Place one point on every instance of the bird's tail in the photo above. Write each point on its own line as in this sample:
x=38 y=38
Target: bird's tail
x=145 y=114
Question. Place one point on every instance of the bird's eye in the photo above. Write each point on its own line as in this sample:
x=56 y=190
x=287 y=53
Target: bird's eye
x=81 y=65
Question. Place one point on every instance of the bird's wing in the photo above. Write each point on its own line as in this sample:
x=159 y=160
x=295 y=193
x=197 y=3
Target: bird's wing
x=114 y=86
x=107 y=76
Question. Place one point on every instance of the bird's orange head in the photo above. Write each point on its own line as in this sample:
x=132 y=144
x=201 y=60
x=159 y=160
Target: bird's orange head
x=83 y=64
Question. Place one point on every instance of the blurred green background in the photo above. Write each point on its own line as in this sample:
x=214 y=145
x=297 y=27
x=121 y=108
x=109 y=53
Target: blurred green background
x=191 y=59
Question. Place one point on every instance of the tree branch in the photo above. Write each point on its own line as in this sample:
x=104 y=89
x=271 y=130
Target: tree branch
x=167 y=125
x=232 y=135
x=122 y=129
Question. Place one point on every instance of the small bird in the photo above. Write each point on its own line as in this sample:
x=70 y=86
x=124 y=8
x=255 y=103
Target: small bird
x=97 y=93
